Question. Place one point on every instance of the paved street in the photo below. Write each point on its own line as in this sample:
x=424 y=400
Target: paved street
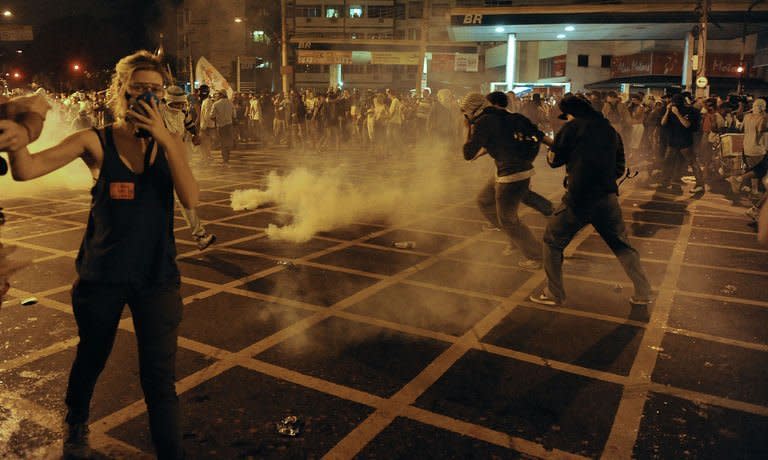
x=430 y=352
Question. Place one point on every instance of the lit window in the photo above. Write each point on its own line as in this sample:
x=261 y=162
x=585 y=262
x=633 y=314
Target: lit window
x=355 y=11
x=259 y=36
x=331 y=13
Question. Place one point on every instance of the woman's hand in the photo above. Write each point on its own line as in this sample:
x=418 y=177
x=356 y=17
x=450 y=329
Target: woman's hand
x=13 y=136
x=151 y=121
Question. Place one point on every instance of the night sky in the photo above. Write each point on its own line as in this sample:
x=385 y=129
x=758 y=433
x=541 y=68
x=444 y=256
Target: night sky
x=93 y=32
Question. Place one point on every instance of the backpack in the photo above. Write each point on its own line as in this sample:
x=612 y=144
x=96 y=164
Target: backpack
x=526 y=136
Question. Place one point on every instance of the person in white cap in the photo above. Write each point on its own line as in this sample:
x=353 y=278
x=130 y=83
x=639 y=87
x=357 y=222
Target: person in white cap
x=178 y=119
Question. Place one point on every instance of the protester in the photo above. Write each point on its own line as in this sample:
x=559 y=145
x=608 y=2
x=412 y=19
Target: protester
x=223 y=114
x=178 y=120
x=128 y=251
x=593 y=155
x=508 y=139
x=680 y=122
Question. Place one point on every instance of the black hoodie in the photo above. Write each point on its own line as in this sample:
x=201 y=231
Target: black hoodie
x=593 y=155
x=502 y=134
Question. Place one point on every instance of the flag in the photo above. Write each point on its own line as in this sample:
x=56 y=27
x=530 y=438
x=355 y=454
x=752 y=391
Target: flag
x=208 y=75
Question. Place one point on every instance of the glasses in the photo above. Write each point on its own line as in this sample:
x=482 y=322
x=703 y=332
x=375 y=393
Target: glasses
x=145 y=87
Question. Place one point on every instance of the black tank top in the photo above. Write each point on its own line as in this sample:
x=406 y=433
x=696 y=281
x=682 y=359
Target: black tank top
x=129 y=238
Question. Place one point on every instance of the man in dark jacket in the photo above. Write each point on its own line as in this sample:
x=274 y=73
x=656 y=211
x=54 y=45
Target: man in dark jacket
x=680 y=121
x=513 y=142
x=593 y=155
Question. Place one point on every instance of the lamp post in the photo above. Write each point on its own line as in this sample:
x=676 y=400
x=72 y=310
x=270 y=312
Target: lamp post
x=284 y=46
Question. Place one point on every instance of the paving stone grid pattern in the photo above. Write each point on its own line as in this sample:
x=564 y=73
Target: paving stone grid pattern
x=432 y=352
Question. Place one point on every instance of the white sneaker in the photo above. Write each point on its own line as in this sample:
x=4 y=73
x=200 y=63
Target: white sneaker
x=529 y=264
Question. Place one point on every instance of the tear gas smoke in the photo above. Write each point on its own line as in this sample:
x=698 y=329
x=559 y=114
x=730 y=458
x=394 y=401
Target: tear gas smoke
x=325 y=196
x=74 y=176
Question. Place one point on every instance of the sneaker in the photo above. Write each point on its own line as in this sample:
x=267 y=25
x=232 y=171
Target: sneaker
x=639 y=302
x=697 y=189
x=543 y=299
x=206 y=240
x=529 y=264
x=76 y=444
x=735 y=183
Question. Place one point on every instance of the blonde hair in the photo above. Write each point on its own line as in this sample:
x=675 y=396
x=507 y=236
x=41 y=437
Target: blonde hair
x=124 y=69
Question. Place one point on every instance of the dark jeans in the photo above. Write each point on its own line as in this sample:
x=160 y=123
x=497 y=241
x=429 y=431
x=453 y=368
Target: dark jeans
x=156 y=316
x=671 y=160
x=227 y=138
x=499 y=202
x=605 y=216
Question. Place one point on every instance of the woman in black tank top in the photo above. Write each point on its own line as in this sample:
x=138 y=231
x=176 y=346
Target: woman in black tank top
x=128 y=253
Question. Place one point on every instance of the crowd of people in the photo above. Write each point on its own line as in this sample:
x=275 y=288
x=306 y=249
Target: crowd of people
x=138 y=137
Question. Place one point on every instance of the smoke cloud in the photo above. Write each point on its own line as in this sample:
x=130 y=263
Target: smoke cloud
x=327 y=195
x=74 y=176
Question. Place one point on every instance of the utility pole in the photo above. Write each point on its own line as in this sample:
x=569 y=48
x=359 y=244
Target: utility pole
x=284 y=46
x=702 y=48
x=421 y=70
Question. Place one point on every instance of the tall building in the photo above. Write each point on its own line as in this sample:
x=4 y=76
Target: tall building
x=239 y=37
x=376 y=44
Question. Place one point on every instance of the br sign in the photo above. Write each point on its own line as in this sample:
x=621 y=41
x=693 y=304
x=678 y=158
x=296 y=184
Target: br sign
x=472 y=19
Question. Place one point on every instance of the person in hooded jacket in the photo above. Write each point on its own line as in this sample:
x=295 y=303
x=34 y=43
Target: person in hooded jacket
x=512 y=140
x=593 y=154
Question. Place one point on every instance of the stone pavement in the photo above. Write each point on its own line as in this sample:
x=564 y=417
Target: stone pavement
x=431 y=352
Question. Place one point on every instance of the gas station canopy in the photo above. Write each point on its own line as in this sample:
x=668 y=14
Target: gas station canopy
x=636 y=21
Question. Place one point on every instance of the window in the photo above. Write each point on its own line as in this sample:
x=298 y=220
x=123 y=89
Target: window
x=415 y=10
x=380 y=11
x=308 y=11
x=414 y=34
x=259 y=36
x=605 y=61
x=583 y=60
x=399 y=34
x=400 y=11
x=356 y=11
x=331 y=12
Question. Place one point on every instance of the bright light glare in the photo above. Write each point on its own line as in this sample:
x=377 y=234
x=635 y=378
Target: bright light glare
x=238 y=20
x=561 y=36
x=76 y=67
x=499 y=29
x=7 y=13
x=740 y=69
x=569 y=28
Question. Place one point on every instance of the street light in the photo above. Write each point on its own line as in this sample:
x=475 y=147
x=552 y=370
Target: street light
x=76 y=67
x=238 y=20
x=7 y=13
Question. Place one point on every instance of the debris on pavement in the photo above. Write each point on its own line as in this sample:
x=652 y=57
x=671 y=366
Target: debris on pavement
x=404 y=244
x=289 y=426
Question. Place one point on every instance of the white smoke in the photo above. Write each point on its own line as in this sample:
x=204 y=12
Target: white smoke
x=74 y=176
x=319 y=201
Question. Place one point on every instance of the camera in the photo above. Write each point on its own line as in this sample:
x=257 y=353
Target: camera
x=134 y=105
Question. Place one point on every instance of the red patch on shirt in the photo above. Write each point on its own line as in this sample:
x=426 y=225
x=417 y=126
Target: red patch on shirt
x=122 y=190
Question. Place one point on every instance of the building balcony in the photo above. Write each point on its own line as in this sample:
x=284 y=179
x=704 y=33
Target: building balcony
x=326 y=23
x=370 y=22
